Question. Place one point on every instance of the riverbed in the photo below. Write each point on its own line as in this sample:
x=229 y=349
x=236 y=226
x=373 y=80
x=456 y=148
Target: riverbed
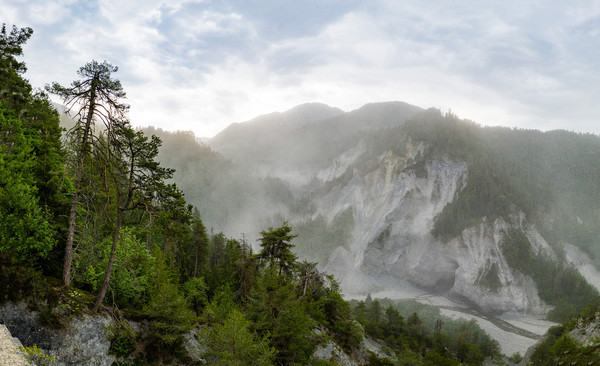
x=515 y=332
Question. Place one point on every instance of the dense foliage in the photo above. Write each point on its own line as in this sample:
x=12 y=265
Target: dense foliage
x=562 y=286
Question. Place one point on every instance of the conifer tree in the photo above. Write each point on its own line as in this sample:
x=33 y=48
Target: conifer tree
x=14 y=90
x=232 y=343
x=277 y=248
x=30 y=155
x=138 y=177
x=95 y=97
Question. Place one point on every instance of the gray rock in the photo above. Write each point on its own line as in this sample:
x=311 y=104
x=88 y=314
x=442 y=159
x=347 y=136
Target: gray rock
x=83 y=341
x=193 y=347
x=331 y=351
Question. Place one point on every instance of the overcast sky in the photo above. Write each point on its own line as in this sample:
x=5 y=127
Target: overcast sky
x=201 y=65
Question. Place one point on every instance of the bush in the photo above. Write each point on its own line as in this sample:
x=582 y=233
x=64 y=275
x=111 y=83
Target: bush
x=122 y=340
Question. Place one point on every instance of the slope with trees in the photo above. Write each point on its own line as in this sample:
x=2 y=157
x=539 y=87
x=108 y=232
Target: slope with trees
x=137 y=246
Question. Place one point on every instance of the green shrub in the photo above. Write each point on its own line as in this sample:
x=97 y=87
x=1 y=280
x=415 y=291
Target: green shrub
x=122 y=340
x=34 y=354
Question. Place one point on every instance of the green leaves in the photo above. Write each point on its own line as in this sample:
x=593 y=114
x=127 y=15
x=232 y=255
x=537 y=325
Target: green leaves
x=277 y=248
x=195 y=293
x=232 y=343
x=24 y=227
x=11 y=45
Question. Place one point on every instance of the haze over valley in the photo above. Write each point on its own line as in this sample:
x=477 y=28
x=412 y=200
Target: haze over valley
x=299 y=183
x=397 y=200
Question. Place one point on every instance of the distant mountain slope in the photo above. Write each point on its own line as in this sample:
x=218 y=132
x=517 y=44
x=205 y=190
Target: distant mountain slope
x=476 y=213
x=245 y=136
x=66 y=121
x=280 y=143
x=227 y=195
x=390 y=194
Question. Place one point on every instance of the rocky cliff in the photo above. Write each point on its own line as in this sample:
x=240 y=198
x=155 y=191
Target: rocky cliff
x=85 y=340
x=396 y=170
x=394 y=204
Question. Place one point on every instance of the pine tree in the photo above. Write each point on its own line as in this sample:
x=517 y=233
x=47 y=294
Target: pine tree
x=14 y=90
x=96 y=97
x=232 y=343
x=24 y=228
x=277 y=248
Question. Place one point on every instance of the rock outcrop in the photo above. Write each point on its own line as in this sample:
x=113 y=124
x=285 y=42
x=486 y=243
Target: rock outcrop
x=9 y=349
x=82 y=342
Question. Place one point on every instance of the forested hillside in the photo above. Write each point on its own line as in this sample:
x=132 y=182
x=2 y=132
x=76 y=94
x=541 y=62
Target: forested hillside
x=132 y=241
x=574 y=342
x=91 y=222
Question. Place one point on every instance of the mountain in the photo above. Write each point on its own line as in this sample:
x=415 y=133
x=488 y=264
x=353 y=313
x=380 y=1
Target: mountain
x=262 y=125
x=252 y=136
x=391 y=197
x=303 y=137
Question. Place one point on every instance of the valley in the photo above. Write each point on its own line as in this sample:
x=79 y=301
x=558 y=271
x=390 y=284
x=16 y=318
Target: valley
x=382 y=234
x=405 y=195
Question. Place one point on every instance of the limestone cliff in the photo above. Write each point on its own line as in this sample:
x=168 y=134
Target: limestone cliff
x=394 y=203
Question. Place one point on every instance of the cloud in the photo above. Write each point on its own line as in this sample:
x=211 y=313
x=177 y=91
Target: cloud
x=203 y=64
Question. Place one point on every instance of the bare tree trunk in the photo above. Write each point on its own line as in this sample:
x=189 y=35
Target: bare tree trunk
x=70 y=236
x=75 y=200
x=196 y=261
x=111 y=261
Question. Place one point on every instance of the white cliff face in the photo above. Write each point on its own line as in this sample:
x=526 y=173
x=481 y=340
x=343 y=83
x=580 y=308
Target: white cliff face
x=341 y=164
x=580 y=260
x=394 y=207
x=484 y=277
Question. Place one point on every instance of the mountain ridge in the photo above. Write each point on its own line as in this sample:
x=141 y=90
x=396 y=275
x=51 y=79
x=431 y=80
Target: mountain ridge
x=411 y=195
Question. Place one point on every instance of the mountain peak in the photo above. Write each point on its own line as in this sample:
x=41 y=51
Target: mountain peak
x=296 y=116
x=311 y=112
x=266 y=124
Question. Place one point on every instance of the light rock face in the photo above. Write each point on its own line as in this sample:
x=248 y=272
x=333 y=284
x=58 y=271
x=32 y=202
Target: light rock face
x=83 y=342
x=332 y=352
x=580 y=260
x=394 y=204
x=478 y=252
x=587 y=333
x=9 y=349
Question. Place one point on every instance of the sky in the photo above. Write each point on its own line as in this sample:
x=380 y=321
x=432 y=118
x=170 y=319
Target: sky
x=201 y=65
